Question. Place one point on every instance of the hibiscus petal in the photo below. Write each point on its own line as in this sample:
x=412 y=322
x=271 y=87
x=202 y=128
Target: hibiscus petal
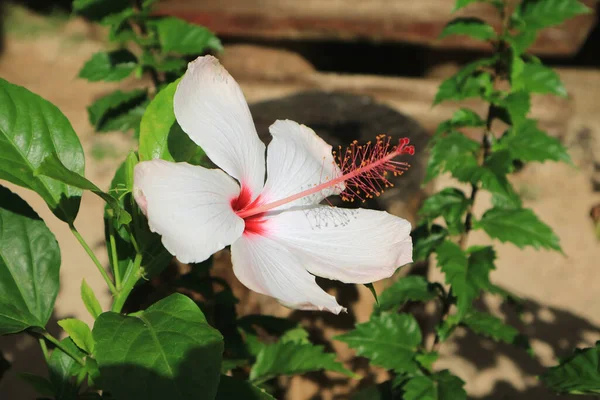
x=264 y=266
x=189 y=206
x=298 y=159
x=349 y=245
x=210 y=107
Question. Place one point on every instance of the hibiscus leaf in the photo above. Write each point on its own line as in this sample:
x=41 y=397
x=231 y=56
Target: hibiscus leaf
x=577 y=374
x=538 y=14
x=176 y=354
x=32 y=129
x=439 y=386
x=288 y=357
x=232 y=388
x=518 y=226
x=118 y=111
x=160 y=134
x=179 y=36
x=517 y=105
x=461 y=118
x=79 y=332
x=449 y=203
x=492 y=176
x=537 y=78
x=408 y=288
x=471 y=81
x=40 y=384
x=463 y=3
x=472 y=27
x=426 y=239
x=90 y=300
x=528 y=143
x=29 y=266
x=62 y=369
x=98 y=9
x=388 y=340
x=454 y=153
x=109 y=66
x=488 y=325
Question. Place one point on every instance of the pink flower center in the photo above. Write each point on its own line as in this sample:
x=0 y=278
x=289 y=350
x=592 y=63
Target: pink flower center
x=255 y=224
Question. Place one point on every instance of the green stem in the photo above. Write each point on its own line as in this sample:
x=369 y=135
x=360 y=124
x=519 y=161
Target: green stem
x=114 y=256
x=131 y=277
x=64 y=349
x=90 y=253
x=44 y=350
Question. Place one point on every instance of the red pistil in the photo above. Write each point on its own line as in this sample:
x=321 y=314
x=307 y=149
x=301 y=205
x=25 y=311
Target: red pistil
x=364 y=174
x=254 y=224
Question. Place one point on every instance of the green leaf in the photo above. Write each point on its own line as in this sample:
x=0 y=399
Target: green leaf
x=426 y=360
x=62 y=369
x=528 y=143
x=521 y=41
x=537 y=78
x=440 y=386
x=451 y=204
x=29 y=266
x=160 y=134
x=293 y=358
x=118 y=111
x=455 y=265
x=488 y=325
x=461 y=118
x=578 y=374
x=471 y=81
x=472 y=27
x=166 y=64
x=89 y=300
x=79 y=332
x=518 y=226
x=454 y=153
x=372 y=290
x=40 y=384
x=492 y=176
x=32 y=129
x=179 y=36
x=426 y=239
x=109 y=67
x=388 y=340
x=98 y=9
x=538 y=14
x=463 y=3
x=54 y=168
x=232 y=388
x=408 y=288
x=166 y=351
x=517 y=105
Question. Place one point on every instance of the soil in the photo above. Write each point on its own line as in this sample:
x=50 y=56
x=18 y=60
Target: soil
x=562 y=309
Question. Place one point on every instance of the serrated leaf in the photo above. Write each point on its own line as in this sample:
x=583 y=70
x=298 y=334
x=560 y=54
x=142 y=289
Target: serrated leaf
x=517 y=105
x=537 y=78
x=427 y=359
x=32 y=129
x=461 y=118
x=29 y=266
x=472 y=27
x=90 y=301
x=493 y=178
x=471 y=81
x=98 y=9
x=110 y=66
x=293 y=358
x=488 y=325
x=518 y=226
x=388 y=340
x=171 y=340
x=449 y=203
x=166 y=64
x=408 y=288
x=521 y=41
x=528 y=143
x=79 y=332
x=463 y=3
x=454 y=153
x=160 y=134
x=440 y=386
x=538 y=14
x=577 y=374
x=426 y=239
x=40 y=384
x=179 y=36
x=118 y=111
x=62 y=370
x=232 y=388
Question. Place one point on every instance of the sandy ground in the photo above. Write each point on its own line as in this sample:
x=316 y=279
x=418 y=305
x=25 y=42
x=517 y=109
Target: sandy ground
x=562 y=307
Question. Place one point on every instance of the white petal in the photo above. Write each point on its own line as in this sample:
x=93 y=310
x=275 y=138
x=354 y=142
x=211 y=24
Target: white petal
x=298 y=159
x=210 y=107
x=189 y=206
x=349 y=245
x=266 y=267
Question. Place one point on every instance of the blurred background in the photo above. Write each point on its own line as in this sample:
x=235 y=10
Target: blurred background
x=368 y=66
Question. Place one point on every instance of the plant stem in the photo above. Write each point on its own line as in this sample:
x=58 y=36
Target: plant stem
x=44 y=349
x=90 y=253
x=129 y=281
x=64 y=349
x=114 y=256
